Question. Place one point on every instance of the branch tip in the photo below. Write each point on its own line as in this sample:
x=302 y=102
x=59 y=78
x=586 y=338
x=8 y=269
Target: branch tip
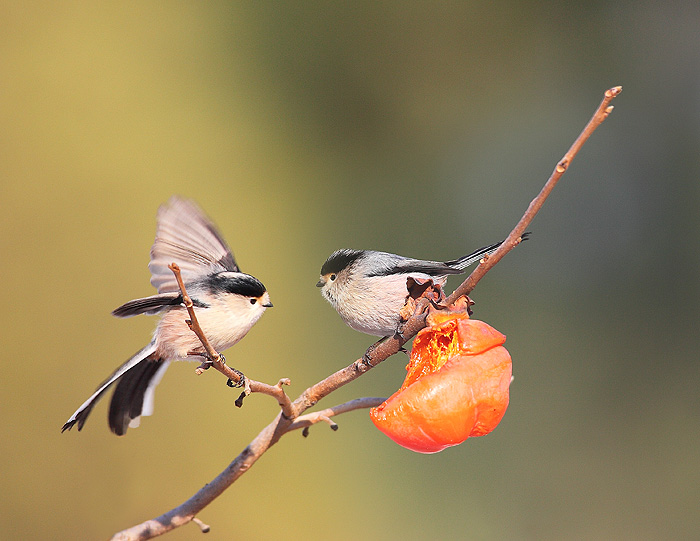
x=239 y=401
x=613 y=92
x=204 y=527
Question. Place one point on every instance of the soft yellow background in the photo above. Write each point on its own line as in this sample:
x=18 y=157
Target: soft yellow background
x=419 y=128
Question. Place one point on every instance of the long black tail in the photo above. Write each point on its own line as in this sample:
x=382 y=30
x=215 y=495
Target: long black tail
x=464 y=261
x=133 y=396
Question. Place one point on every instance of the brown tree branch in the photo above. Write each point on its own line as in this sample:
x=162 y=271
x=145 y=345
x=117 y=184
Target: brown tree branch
x=383 y=349
x=305 y=421
x=217 y=360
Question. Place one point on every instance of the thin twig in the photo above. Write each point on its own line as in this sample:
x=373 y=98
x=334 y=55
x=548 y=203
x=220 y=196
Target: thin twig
x=217 y=360
x=382 y=350
x=304 y=421
x=214 y=356
x=204 y=527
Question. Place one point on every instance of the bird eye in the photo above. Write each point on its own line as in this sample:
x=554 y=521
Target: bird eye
x=332 y=277
x=253 y=301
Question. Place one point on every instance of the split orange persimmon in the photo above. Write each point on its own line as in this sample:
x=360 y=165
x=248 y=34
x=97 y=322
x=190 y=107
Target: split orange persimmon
x=457 y=385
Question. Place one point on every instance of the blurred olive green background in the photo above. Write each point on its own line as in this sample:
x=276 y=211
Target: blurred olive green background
x=420 y=128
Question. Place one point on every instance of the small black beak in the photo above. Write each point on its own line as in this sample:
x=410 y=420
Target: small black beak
x=268 y=305
x=320 y=283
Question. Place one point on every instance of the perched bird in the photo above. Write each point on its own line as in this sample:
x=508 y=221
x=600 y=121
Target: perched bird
x=227 y=303
x=368 y=288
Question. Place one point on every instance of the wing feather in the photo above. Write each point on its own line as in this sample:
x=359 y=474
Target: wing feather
x=186 y=236
x=148 y=305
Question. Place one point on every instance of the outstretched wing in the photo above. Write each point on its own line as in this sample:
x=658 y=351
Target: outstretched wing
x=186 y=236
x=148 y=305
